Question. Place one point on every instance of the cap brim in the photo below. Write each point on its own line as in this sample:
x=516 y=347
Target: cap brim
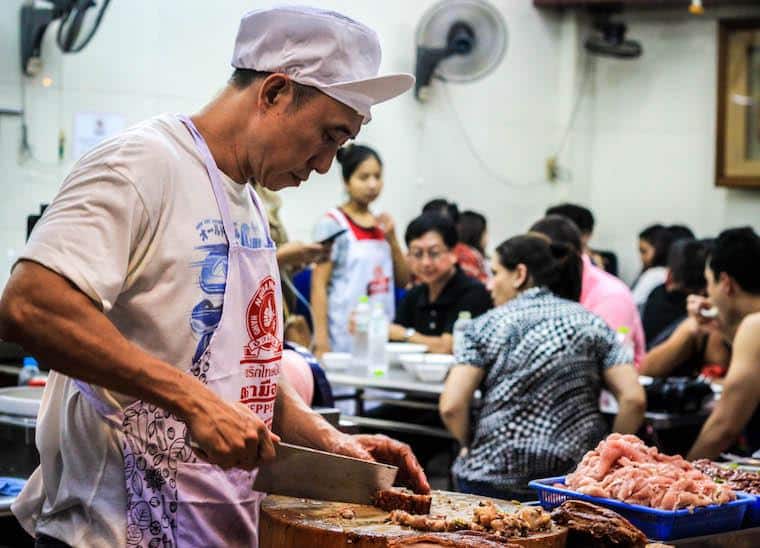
x=378 y=89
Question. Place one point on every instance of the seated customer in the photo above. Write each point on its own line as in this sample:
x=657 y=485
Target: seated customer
x=733 y=288
x=540 y=361
x=654 y=246
x=601 y=293
x=471 y=249
x=584 y=220
x=665 y=307
x=428 y=311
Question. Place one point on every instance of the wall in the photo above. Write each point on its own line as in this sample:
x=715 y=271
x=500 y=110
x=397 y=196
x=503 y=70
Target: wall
x=640 y=138
x=652 y=123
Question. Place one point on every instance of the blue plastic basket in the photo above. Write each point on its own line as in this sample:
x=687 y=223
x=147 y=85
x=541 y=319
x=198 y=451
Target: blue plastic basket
x=656 y=524
x=752 y=517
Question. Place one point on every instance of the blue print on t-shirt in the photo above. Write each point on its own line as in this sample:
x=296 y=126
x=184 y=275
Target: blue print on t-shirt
x=212 y=275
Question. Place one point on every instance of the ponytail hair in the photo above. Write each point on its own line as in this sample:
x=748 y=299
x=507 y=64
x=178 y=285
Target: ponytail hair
x=351 y=155
x=556 y=265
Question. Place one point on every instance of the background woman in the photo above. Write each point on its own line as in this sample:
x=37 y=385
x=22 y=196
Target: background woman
x=540 y=360
x=366 y=259
x=654 y=245
x=473 y=234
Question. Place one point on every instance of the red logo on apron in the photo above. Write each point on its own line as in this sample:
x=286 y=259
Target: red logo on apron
x=380 y=283
x=262 y=321
x=261 y=356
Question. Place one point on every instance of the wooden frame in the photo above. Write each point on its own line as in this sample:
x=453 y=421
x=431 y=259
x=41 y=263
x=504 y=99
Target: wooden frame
x=737 y=162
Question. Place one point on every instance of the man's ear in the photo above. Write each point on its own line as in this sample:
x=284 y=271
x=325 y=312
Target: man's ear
x=275 y=89
x=727 y=284
x=669 y=280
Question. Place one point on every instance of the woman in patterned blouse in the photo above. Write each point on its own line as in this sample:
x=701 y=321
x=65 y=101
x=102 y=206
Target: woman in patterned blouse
x=540 y=360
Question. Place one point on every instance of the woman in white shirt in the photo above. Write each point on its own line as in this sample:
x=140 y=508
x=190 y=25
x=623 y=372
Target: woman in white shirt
x=654 y=244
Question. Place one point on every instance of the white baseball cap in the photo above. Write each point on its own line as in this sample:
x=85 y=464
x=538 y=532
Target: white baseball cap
x=319 y=48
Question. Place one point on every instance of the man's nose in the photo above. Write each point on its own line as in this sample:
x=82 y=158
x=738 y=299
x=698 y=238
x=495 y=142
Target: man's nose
x=322 y=161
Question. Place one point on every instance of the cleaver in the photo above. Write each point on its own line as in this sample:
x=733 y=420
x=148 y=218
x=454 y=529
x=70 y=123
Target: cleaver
x=308 y=473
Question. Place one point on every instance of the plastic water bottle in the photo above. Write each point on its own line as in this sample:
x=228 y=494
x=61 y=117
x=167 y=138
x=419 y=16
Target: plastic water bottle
x=30 y=370
x=463 y=321
x=378 y=339
x=360 y=345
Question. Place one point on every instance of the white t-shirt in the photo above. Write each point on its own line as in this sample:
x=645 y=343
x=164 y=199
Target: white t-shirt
x=136 y=227
x=645 y=284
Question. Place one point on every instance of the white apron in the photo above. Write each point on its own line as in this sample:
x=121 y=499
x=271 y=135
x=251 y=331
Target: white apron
x=175 y=499
x=369 y=271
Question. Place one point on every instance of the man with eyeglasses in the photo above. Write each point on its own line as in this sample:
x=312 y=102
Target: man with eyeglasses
x=427 y=313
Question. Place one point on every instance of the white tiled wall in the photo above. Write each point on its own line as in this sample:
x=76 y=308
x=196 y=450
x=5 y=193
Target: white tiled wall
x=641 y=148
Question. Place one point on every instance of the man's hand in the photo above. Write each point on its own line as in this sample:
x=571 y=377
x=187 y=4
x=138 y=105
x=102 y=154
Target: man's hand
x=695 y=304
x=396 y=332
x=387 y=223
x=388 y=451
x=231 y=435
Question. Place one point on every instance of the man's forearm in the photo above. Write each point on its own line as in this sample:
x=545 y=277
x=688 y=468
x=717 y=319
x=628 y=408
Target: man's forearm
x=295 y=422
x=45 y=314
x=716 y=436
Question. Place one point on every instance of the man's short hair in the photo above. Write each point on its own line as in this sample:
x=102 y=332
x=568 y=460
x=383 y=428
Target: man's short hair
x=242 y=78
x=559 y=229
x=737 y=253
x=432 y=221
x=581 y=216
x=443 y=206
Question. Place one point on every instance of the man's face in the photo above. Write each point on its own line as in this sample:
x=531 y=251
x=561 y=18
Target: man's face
x=716 y=292
x=430 y=259
x=291 y=142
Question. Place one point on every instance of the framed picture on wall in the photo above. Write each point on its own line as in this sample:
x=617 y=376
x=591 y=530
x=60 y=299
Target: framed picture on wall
x=738 y=137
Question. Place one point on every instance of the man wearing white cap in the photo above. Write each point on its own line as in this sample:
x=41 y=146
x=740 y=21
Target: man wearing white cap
x=150 y=289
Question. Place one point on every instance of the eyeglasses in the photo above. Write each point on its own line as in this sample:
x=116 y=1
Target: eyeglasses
x=434 y=254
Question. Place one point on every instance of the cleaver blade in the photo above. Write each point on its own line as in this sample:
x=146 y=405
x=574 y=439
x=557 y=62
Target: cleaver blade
x=308 y=473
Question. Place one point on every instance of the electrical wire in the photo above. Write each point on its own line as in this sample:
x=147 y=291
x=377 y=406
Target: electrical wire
x=576 y=106
x=473 y=150
x=66 y=43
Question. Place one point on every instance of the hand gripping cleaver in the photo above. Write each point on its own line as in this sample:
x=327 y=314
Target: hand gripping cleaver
x=308 y=473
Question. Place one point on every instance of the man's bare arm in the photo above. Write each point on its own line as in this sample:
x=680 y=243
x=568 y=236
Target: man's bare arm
x=740 y=395
x=42 y=311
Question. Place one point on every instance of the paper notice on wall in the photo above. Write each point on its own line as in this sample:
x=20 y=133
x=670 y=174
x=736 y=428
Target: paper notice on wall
x=90 y=128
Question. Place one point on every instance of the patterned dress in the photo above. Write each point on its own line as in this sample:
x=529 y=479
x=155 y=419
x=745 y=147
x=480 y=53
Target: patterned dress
x=543 y=359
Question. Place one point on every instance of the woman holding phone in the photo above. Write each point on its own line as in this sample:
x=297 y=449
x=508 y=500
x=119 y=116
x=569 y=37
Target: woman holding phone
x=366 y=258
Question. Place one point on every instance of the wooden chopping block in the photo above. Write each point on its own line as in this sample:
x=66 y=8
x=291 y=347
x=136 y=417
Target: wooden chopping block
x=294 y=522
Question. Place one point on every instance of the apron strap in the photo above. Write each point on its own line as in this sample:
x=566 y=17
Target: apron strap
x=262 y=214
x=216 y=182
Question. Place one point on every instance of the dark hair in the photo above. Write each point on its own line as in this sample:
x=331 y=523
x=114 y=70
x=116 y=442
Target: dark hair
x=351 y=156
x=559 y=229
x=432 y=222
x=680 y=232
x=242 y=78
x=556 y=265
x=581 y=216
x=686 y=262
x=737 y=253
x=660 y=238
x=471 y=227
x=443 y=206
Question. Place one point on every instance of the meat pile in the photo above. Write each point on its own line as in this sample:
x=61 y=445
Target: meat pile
x=487 y=518
x=738 y=480
x=402 y=499
x=592 y=526
x=624 y=468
